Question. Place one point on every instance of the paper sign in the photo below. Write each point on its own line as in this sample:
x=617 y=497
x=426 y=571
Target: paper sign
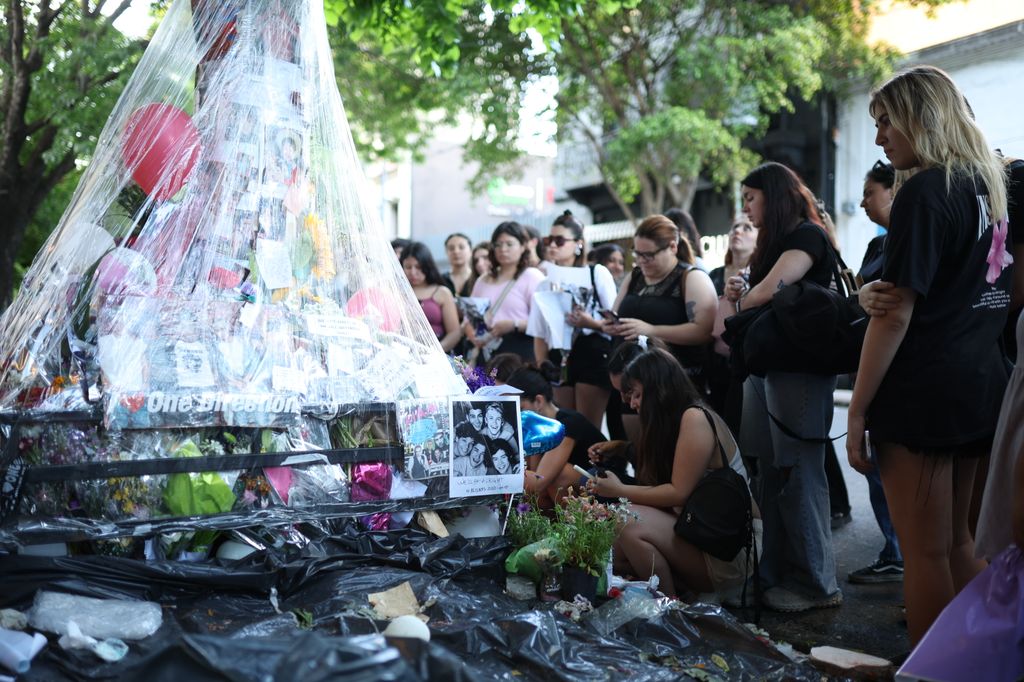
x=552 y=307
x=337 y=325
x=340 y=360
x=384 y=376
x=232 y=354
x=192 y=364
x=289 y=379
x=123 y=358
x=274 y=263
x=248 y=314
x=485 y=391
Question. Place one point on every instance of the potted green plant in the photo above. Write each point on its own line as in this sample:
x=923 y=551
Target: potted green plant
x=584 y=531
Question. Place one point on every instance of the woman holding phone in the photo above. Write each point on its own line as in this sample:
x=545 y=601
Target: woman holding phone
x=667 y=297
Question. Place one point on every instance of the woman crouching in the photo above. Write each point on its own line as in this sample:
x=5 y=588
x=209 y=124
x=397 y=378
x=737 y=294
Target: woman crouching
x=673 y=420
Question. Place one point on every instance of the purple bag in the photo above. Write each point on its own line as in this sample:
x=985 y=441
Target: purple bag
x=980 y=635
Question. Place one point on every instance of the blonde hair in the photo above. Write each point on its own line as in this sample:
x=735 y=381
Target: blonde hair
x=925 y=105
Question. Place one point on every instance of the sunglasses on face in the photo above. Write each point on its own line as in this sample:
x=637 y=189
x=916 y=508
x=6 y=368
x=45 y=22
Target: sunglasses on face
x=556 y=240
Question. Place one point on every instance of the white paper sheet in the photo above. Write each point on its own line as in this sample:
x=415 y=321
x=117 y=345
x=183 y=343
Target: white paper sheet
x=274 y=263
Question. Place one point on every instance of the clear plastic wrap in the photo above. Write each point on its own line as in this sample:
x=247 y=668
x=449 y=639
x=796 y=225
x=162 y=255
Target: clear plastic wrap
x=217 y=331
x=219 y=264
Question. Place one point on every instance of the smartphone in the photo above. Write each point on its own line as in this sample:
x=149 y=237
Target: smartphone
x=869 y=448
x=609 y=315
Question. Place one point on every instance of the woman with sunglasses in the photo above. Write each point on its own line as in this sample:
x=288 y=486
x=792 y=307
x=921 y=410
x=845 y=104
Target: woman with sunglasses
x=509 y=286
x=585 y=385
x=667 y=297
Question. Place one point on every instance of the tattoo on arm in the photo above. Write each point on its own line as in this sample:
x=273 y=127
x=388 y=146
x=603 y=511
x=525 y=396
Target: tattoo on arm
x=782 y=285
x=691 y=311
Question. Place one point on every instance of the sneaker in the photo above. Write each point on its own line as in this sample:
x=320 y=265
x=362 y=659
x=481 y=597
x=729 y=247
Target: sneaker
x=781 y=599
x=879 y=572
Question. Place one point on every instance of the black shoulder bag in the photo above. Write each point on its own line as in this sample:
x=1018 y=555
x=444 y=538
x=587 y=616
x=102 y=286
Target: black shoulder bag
x=806 y=327
x=716 y=517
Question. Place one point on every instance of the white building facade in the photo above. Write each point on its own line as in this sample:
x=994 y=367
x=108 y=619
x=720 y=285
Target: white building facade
x=989 y=69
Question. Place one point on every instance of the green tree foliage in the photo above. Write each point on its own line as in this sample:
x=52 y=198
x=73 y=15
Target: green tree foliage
x=62 y=67
x=658 y=93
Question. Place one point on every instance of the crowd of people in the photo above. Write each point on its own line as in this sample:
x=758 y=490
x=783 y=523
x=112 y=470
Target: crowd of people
x=653 y=397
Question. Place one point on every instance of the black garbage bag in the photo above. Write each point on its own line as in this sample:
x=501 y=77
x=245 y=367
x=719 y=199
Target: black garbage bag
x=301 y=611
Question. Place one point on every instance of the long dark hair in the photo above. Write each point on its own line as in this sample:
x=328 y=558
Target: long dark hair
x=667 y=393
x=421 y=253
x=517 y=232
x=787 y=204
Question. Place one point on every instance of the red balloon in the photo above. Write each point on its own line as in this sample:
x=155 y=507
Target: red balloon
x=376 y=304
x=161 y=147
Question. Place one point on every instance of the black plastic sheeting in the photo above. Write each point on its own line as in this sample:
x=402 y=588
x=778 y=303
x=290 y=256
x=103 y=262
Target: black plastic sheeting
x=219 y=622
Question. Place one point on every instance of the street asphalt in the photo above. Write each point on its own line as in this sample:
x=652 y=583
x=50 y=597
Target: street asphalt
x=871 y=618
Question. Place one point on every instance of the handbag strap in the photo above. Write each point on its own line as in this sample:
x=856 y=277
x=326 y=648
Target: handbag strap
x=493 y=310
x=714 y=430
x=841 y=273
x=790 y=432
x=593 y=287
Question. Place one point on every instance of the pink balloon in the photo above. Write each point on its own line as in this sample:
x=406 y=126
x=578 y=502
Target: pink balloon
x=375 y=303
x=161 y=147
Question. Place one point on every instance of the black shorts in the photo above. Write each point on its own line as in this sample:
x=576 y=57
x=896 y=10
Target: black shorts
x=976 y=448
x=588 y=361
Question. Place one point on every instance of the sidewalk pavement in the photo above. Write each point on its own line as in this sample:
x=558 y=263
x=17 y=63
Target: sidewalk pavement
x=871 y=618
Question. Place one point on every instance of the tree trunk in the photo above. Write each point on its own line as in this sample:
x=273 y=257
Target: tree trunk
x=16 y=221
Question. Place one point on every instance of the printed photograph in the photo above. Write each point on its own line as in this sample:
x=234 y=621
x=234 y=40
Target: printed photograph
x=486 y=449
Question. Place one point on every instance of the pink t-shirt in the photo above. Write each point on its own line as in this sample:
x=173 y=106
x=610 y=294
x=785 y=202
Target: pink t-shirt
x=516 y=305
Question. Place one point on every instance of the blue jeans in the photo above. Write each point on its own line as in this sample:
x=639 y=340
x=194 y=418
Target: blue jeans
x=792 y=490
x=891 y=551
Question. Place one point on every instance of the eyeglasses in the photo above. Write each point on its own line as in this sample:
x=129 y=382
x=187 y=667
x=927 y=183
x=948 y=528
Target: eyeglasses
x=647 y=256
x=505 y=245
x=556 y=239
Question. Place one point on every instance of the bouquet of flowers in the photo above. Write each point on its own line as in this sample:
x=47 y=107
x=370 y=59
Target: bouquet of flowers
x=475 y=377
x=526 y=523
x=585 y=529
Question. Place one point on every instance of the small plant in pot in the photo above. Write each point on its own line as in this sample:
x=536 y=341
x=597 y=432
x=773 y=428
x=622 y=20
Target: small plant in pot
x=584 y=531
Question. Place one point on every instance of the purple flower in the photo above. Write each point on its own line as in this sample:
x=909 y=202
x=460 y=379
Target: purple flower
x=523 y=507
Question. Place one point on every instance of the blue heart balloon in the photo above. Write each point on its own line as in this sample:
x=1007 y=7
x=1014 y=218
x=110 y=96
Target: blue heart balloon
x=540 y=434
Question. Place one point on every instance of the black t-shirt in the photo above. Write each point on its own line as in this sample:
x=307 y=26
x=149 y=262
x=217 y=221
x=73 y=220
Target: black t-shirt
x=813 y=241
x=946 y=382
x=874 y=259
x=583 y=433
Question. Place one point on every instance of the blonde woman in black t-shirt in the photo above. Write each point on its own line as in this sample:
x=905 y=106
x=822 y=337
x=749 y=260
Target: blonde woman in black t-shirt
x=931 y=377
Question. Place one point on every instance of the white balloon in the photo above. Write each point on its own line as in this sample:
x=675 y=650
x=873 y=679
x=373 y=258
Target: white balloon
x=408 y=626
